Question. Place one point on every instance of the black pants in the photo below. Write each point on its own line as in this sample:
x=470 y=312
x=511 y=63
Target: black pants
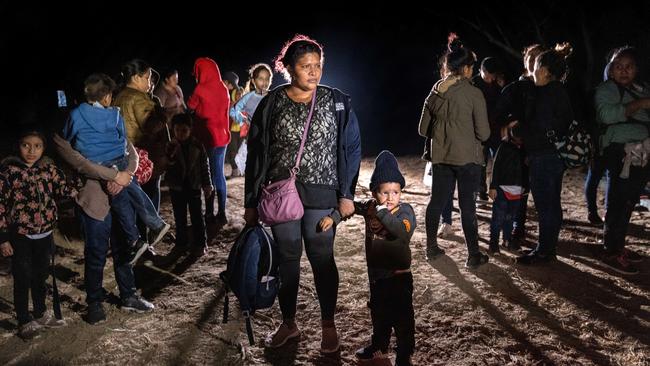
x=319 y=246
x=391 y=307
x=233 y=148
x=622 y=195
x=181 y=200
x=29 y=267
x=443 y=181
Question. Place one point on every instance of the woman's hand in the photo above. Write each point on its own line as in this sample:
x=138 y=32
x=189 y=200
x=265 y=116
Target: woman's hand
x=346 y=207
x=113 y=188
x=251 y=217
x=493 y=194
x=123 y=178
x=6 y=249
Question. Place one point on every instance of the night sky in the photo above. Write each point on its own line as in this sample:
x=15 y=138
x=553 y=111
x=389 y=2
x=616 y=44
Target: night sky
x=384 y=57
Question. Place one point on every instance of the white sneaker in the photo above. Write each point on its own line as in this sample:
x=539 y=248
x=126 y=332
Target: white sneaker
x=49 y=321
x=445 y=231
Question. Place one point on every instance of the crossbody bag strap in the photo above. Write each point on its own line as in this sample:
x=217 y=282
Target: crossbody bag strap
x=304 y=133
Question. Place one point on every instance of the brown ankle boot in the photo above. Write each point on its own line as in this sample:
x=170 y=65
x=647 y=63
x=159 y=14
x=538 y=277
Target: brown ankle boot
x=329 y=340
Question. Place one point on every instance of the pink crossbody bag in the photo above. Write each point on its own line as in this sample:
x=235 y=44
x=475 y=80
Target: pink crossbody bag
x=279 y=201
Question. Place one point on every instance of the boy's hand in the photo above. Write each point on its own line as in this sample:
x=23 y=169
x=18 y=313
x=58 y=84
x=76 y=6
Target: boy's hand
x=123 y=178
x=207 y=190
x=6 y=249
x=346 y=207
x=325 y=223
x=493 y=194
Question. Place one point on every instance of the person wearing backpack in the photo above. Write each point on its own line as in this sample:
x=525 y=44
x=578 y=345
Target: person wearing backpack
x=326 y=178
x=623 y=110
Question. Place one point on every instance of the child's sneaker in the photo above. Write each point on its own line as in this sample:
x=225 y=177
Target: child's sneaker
x=632 y=257
x=445 y=231
x=156 y=235
x=137 y=304
x=619 y=264
x=49 y=321
x=139 y=247
x=29 y=330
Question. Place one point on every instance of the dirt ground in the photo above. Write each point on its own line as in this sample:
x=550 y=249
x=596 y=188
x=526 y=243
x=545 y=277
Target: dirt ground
x=570 y=312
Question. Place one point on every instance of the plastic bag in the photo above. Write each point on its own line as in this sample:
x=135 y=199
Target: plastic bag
x=240 y=158
x=428 y=177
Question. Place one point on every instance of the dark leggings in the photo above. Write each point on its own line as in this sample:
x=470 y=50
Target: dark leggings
x=29 y=267
x=443 y=181
x=320 y=252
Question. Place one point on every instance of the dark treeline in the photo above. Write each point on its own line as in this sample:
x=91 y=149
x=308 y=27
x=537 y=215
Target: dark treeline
x=384 y=57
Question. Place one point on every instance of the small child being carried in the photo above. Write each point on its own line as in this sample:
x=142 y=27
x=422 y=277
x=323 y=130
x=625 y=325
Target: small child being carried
x=97 y=131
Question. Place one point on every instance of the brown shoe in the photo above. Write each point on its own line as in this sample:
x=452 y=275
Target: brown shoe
x=281 y=336
x=329 y=340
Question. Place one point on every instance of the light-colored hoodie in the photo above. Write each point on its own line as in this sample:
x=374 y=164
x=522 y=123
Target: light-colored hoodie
x=454 y=117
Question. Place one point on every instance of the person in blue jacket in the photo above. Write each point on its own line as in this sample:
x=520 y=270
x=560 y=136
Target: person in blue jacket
x=326 y=180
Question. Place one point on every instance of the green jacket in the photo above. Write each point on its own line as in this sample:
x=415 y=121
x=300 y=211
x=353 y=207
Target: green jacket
x=455 y=118
x=610 y=109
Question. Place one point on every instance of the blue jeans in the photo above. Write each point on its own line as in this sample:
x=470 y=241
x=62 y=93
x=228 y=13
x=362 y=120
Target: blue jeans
x=217 y=156
x=546 y=172
x=319 y=246
x=504 y=212
x=132 y=201
x=597 y=169
x=444 y=179
x=97 y=236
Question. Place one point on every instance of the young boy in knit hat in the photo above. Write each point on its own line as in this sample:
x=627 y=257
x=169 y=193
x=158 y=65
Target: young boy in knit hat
x=389 y=227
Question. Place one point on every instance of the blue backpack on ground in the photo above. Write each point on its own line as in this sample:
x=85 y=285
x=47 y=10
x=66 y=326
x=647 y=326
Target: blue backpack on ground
x=251 y=273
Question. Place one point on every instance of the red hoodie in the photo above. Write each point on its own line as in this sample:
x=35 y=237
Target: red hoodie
x=210 y=101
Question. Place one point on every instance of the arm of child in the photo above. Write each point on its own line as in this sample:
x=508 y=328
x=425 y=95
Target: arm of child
x=330 y=220
x=364 y=208
x=401 y=225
